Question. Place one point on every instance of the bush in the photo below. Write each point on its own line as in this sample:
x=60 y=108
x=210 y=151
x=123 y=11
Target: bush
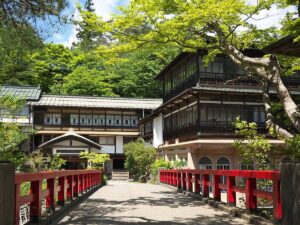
x=159 y=163
x=139 y=159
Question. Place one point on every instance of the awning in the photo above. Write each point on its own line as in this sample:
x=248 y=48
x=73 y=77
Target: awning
x=104 y=133
x=71 y=135
x=212 y=142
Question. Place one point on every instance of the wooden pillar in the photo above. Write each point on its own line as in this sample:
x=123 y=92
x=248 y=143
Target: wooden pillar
x=216 y=188
x=36 y=205
x=251 y=200
x=62 y=191
x=8 y=194
x=231 y=197
x=50 y=200
x=205 y=190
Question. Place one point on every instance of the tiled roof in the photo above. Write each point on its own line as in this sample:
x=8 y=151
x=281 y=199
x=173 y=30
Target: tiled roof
x=29 y=93
x=240 y=90
x=97 y=102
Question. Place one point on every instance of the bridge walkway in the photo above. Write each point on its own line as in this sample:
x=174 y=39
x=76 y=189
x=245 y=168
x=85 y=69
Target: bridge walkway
x=133 y=203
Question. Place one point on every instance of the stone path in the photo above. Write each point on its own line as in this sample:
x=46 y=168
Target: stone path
x=133 y=203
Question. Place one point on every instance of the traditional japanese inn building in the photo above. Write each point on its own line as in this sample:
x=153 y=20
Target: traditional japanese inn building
x=200 y=105
x=68 y=125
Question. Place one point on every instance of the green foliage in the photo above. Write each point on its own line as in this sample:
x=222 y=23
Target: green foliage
x=178 y=164
x=253 y=148
x=139 y=158
x=95 y=160
x=159 y=163
x=38 y=160
x=50 y=65
x=11 y=135
x=11 y=105
x=85 y=81
x=293 y=148
x=56 y=162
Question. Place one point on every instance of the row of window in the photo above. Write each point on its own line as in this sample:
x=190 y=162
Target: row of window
x=92 y=120
x=213 y=113
x=220 y=66
x=183 y=118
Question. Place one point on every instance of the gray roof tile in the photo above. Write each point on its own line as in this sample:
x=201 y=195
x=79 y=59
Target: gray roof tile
x=97 y=102
x=29 y=93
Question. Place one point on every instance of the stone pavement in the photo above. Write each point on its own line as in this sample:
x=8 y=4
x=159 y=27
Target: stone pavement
x=134 y=203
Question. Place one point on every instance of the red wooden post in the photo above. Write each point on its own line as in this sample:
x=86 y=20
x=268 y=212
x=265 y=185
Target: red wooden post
x=174 y=178
x=205 y=185
x=50 y=201
x=17 y=203
x=62 y=191
x=183 y=174
x=277 y=204
x=82 y=183
x=76 y=186
x=197 y=185
x=216 y=188
x=251 y=200
x=189 y=186
x=178 y=179
x=70 y=187
x=36 y=204
x=231 y=197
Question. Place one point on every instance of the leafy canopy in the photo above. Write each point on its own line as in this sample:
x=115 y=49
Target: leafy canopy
x=139 y=158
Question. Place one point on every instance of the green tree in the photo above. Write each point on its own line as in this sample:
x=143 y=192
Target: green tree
x=134 y=75
x=253 y=148
x=218 y=26
x=96 y=160
x=11 y=135
x=88 y=34
x=50 y=65
x=139 y=158
x=85 y=81
x=56 y=162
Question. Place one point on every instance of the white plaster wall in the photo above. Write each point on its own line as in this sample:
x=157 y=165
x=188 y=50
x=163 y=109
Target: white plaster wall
x=119 y=145
x=158 y=131
x=110 y=149
x=64 y=143
x=77 y=143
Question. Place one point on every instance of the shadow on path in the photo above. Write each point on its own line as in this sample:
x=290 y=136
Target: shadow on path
x=137 y=204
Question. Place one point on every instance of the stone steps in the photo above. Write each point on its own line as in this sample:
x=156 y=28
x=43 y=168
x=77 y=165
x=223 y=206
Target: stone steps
x=120 y=175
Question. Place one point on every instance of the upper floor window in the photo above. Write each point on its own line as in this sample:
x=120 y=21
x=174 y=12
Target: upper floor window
x=52 y=119
x=74 y=119
x=107 y=141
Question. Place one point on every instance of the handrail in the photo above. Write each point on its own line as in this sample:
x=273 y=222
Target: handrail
x=190 y=180
x=65 y=184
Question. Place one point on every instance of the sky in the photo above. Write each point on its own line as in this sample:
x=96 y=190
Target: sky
x=66 y=34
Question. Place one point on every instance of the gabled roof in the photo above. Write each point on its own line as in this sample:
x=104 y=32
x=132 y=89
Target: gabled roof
x=71 y=135
x=29 y=93
x=97 y=102
x=284 y=46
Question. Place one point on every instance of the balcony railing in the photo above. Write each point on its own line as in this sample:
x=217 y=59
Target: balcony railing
x=202 y=181
x=66 y=185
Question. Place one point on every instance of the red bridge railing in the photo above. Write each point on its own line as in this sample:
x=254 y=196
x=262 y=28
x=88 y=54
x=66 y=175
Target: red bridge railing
x=191 y=180
x=60 y=186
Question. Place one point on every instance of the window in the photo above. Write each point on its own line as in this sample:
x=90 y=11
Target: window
x=56 y=119
x=74 y=119
x=52 y=119
x=223 y=164
x=126 y=121
x=107 y=141
x=205 y=163
x=134 y=120
x=48 y=119
x=86 y=119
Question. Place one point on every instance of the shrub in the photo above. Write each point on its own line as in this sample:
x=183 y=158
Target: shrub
x=159 y=163
x=139 y=158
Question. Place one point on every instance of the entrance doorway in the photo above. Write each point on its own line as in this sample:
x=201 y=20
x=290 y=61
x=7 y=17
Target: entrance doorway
x=118 y=164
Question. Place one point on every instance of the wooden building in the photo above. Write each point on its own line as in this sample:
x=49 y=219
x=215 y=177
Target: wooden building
x=200 y=105
x=68 y=125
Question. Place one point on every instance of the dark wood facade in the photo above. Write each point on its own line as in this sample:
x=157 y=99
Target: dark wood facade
x=204 y=100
